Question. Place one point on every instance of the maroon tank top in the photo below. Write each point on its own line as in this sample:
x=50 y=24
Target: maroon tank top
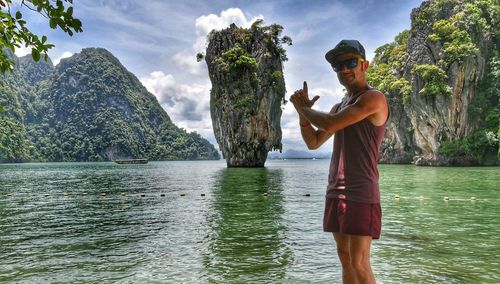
x=353 y=168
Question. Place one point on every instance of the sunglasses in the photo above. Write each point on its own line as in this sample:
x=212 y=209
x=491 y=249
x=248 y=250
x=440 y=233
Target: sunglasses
x=349 y=63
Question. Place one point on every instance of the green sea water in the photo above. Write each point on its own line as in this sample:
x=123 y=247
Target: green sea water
x=200 y=222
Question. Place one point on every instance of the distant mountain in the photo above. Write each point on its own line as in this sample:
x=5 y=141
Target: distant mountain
x=296 y=154
x=88 y=108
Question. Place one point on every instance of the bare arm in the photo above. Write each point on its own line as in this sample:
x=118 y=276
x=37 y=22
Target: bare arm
x=313 y=138
x=371 y=105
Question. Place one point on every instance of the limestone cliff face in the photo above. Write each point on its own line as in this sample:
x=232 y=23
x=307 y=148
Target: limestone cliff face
x=432 y=113
x=245 y=68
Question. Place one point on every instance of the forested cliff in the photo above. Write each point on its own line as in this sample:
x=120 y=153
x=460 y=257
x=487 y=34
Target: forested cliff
x=442 y=81
x=87 y=108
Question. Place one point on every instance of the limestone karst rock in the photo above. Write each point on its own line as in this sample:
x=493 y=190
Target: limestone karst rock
x=248 y=89
x=87 y=108
x=432 y=79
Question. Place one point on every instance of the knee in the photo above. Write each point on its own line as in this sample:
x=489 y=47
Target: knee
x=344 y=256
x=359 y=264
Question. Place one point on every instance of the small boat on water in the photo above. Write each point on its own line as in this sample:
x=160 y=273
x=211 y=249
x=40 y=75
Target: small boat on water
x=132 y=161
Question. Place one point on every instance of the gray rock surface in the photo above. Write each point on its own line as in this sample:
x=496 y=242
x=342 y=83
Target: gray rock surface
x=246 y=98
x=416 y=130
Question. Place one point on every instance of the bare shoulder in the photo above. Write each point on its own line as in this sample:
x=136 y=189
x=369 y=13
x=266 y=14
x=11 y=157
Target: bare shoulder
x=375 y=103
x=373 y=94
x=373 y=98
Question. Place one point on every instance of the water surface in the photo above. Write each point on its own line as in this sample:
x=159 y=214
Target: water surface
x=200 y=222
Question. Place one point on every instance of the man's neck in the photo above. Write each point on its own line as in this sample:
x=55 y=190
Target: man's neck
x=355 y=90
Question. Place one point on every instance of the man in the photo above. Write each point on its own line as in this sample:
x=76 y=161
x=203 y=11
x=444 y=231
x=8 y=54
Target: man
x=352 y=206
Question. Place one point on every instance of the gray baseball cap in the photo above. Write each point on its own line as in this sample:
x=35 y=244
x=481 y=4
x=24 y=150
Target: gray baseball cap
x=345 y=46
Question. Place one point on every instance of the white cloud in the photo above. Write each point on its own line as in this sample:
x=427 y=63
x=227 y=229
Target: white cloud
x=22 y=51
x=292 y=138
x=304 y=35
x=205 y=24
x=187 y=61
x=187 y=105
x=65 y=54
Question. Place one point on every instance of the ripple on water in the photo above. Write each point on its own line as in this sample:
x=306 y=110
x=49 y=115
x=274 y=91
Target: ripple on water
x=235 y=233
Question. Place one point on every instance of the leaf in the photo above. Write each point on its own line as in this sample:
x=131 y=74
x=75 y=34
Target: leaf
x=53 y=23
x=44 y=39
x=77 y=25
x=18 y=15
x=35 y=54
x=69 y=13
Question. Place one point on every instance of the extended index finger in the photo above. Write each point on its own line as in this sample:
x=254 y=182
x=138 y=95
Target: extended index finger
x=305 y=87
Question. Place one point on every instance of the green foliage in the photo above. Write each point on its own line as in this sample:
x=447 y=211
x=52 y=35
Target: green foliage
x=456 y=148
x=277 y=82
x=241 y=68
x=483 y=144
x=243 y=102
x=199 y=57
x=239 y=65
x=89 y=109
x=457 y=43
x=277 y=75
x=272 y=36
x=432 y=9
x=237 y=61
x=486 y=105
x=456 y=26
x=15 y=32
x=471 y=21
x=479 y=146
x=402 y=86
x=435 y=80
x=245 y=35
x=385 y=72
x=14 y=144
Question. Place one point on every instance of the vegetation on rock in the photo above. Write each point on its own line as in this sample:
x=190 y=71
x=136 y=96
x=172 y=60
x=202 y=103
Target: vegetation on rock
x=442 y=79
x=88 y=108
x=248 y=89
x=435 y=80
x=386 y=70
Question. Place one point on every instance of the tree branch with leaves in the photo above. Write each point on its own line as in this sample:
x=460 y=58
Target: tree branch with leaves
x=14 y=33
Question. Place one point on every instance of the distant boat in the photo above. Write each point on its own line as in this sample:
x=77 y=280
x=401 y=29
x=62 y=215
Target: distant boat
x=132 y=161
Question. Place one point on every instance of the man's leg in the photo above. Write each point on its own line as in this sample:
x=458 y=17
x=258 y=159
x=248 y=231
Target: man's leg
x=343 y=251
x=359 y=250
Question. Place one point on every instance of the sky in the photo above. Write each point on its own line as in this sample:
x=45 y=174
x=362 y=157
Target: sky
x=158 y=42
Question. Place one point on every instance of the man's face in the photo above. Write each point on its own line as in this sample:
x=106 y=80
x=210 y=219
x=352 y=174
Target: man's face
x=347 y=74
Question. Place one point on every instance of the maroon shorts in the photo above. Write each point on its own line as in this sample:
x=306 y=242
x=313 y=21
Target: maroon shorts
x=352 y=218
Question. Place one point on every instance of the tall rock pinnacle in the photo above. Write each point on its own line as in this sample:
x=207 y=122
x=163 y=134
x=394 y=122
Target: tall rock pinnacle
x=248 y=89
